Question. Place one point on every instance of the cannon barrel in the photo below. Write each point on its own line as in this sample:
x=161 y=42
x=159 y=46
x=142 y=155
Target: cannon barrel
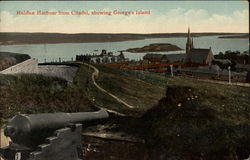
x=22 y=127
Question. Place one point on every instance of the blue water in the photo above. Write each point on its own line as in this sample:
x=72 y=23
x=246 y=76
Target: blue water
x=67 y=51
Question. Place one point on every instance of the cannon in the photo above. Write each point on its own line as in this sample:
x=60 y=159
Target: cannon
x=50 y=136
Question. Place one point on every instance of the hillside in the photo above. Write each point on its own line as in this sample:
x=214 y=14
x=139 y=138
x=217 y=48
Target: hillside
x=178 y=118
x=35 y=93
x=192 y=119
x=123 y=86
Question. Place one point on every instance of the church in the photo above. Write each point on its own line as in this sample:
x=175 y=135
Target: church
x=192 y=57
x=197 y=55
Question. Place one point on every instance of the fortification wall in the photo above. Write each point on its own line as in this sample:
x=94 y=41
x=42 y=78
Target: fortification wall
x=28 y=66
x=62 y=71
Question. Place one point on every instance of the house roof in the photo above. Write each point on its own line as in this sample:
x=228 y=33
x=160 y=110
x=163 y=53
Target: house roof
x=169 y=57
x=198 y=55
x=176 y=57
x=152 y=55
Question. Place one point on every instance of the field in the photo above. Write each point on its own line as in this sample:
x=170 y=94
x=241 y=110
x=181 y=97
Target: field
x=192 y=119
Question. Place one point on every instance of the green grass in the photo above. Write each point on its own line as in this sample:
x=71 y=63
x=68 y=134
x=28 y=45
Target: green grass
x=198 y=128
x=136 y=87
x=96 y=96
x=144 y=89
x=135 y=92
x=193 y=119
x=34 y=93
x=178 y=117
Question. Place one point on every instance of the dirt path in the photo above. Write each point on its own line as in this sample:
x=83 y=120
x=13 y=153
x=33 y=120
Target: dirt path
x=95 y=74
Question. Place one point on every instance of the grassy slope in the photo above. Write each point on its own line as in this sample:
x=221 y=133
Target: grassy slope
x=136 y=92
x=231 y=101
x=142 y=90
x=199 y=128
x=216 y=115
x=210 y=123
x=40 y=94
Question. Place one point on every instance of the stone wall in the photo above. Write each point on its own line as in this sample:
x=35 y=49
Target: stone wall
x=28 y=66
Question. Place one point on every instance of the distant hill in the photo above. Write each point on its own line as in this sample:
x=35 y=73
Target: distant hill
x=236 y=36
x=43 y=38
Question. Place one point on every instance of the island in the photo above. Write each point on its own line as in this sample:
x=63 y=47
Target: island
x=155 y=47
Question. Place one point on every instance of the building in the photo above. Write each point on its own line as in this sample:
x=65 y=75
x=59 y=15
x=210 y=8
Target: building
x=164 y=58
x=197 y=55
x=104 y=57
x=193 y=56
x=154 y=58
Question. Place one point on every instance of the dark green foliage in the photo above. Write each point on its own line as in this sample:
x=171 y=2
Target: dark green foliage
x=193 y=130
x=34 y=93
x=195 y=120
x=235 y=57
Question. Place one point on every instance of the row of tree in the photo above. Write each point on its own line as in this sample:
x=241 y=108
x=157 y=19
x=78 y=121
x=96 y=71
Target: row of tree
x=234 y=57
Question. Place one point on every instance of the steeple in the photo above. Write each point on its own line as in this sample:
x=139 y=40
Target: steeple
x=189 y=44
x=189 y=32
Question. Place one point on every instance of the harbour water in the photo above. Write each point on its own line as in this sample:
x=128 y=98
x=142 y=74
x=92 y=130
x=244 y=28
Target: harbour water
x=67 y=51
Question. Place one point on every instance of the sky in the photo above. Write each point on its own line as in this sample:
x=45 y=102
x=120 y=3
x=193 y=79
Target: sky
x=164 y=17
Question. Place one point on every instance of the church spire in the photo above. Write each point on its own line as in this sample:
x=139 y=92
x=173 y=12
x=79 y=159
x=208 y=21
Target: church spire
x=189 y=32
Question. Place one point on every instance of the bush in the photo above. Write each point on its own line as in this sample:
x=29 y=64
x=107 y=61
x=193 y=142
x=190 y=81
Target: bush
x=180 y=127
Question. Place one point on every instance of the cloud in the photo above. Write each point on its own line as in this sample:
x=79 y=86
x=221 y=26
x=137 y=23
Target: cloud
x=175 y=20
x=201 y=21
